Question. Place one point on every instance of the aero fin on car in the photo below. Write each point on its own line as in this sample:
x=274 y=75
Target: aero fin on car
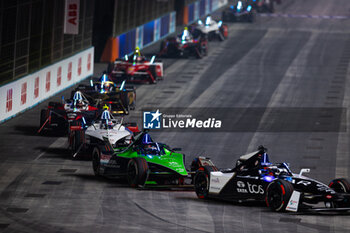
x=293 y=202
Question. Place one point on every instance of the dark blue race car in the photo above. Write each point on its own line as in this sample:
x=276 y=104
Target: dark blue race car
x=241 y=12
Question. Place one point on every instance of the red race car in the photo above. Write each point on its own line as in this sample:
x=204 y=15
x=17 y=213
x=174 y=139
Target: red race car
x=137 y=68
x=184 y=45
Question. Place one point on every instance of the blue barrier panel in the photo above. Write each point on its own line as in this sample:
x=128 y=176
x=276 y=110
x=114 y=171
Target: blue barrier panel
x=139 y=36
x=201 y=8
x=164 y=25
x=172 y=22
x=127 y=42
x=196 y=10
x=209 y=7
x=191 y=13
x=122 y=39
x=148 y=33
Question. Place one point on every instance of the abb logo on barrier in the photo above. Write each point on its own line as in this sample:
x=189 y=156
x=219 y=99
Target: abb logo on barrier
x=47 y=86
x=59 y=76
x=9 y=100
x=36 y=87
x=24 y=93
x=71 y=17
x=89 y=62
x=79 y=66
x=69 y=75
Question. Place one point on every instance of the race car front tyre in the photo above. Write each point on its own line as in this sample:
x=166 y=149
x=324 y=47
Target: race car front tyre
x=201 y=182
x=137 y=172
x=278 y=194
x=96 y=164
x=340 y=185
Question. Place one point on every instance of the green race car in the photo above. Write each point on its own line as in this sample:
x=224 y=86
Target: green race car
x=142 y=162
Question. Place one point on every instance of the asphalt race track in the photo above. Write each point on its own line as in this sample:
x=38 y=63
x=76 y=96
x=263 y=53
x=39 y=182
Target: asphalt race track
x=288 y=59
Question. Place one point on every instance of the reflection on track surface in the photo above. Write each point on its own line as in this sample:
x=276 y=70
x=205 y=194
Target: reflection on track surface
x=272 y=63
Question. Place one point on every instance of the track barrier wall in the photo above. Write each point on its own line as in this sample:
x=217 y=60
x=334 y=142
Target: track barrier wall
x=140 y=36
x=25 y=93
x=200 y=8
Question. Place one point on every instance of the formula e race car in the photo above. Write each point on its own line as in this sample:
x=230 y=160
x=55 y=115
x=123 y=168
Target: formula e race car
x=255 y=178
x=210 y=29
x=119 y=98
x=83 y=138
x=143 y=162
x=137 y=69
x=263 y=6
x=59 y=115
x=184 y=45
x=239 y=12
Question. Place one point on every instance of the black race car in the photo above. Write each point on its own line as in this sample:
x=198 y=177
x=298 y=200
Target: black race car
x=184 y=45
x=264 y=6
x=58 y=116
x=119 y=98
x=255 y=178
x=242 y=11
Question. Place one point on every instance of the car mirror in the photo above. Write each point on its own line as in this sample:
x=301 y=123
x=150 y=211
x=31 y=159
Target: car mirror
x=304 y=170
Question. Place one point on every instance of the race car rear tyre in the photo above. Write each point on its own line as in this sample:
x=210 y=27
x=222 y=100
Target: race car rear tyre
x=96 y=164
x=201 y=182
x=278 y=194
x=137 y=172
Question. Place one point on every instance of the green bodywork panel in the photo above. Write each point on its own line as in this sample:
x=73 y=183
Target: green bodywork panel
x=168 y=159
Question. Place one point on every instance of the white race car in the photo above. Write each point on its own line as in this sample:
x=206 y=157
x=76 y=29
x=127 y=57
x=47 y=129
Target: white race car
x=107 y=131
x=210 y=28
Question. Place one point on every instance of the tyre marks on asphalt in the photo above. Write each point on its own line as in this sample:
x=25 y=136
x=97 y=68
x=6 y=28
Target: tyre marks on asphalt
x=167 y=221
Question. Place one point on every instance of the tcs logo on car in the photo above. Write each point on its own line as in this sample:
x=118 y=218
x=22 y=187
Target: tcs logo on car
x=249 y=188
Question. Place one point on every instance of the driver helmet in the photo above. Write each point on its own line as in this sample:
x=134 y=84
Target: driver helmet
x=78 y=100
x=137 y=56
x=186 y=36
x=105 y=87
x=264 y=156
x=208 y=20
x=104 y=77
x=106 y=115
x=106 y=119
x=78 y=96
x=146 y=139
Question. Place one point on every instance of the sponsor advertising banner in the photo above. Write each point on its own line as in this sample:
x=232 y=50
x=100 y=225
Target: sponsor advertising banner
x=28 y=91
x=71 y=17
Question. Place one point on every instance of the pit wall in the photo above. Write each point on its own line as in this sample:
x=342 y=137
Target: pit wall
x=141 y=36
x=200 y=8
x=32 y=89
